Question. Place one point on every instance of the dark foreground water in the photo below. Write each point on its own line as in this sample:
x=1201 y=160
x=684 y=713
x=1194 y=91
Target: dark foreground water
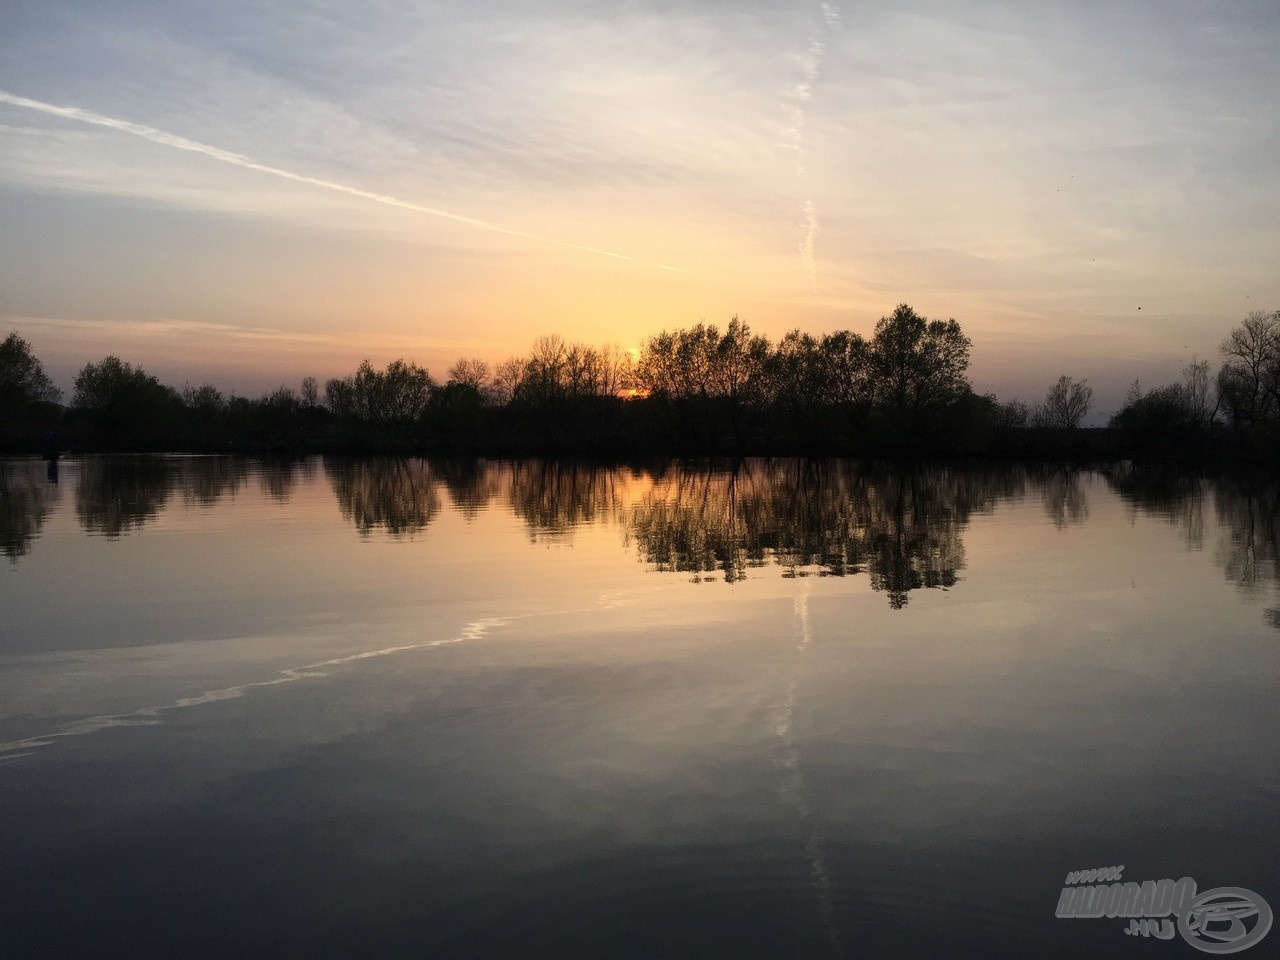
x=405 y=709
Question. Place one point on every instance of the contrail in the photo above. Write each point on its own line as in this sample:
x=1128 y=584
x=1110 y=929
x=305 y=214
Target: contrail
x=797 y=790
x=164 y=138
x=17 y=749
x=810 y=64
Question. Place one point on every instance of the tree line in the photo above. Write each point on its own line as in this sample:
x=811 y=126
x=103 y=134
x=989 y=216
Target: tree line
x=699 y=389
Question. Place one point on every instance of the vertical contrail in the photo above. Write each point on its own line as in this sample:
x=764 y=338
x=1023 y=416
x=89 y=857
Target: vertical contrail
x=173 y=140
x=797 y=789
x=810 y=66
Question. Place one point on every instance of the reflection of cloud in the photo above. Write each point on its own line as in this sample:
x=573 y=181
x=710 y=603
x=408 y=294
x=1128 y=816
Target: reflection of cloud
x=166 y=139
x=146 y=716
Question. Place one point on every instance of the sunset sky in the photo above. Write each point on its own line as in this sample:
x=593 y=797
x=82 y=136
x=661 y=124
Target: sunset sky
x=249 y=193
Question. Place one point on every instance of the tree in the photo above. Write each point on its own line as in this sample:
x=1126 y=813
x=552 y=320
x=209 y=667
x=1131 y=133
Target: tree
x=1249 y=381
x=471 y=372
x=397 y=395
x=309 y=393
x=918 y=363
x=1164 y=410
x=22 y=378
x=1195 y=392
x=125 y=400
x=737 y=371
x=508 y=377
x=1065 y=405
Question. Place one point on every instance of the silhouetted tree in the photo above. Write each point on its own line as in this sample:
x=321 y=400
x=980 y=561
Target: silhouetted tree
x=1196 y=387
x=700 y=371
x=507 y=379
x=22 y=378
x=1164 y=410
x=472 y=372
x=1065 y=405
x=397 y=395
x=918 y=363
x=125 y=401
x=1249 y=380
x=309 y=393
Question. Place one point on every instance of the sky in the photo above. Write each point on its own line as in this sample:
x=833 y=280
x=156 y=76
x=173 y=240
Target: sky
x=250 y=193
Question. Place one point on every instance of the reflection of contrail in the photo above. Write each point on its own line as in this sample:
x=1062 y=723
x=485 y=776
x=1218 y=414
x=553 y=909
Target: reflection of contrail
x=796 y=787
x=810 y=64
x=235 y=159
x=151 y=715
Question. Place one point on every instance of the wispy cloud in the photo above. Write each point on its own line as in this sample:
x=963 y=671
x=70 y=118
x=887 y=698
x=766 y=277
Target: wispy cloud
x=810 y=68
x=164 y=138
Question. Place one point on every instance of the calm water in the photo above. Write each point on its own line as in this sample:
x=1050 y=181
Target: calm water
x=406 y=709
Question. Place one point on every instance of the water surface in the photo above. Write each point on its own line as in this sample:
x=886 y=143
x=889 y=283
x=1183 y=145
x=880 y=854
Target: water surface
x=775 y=708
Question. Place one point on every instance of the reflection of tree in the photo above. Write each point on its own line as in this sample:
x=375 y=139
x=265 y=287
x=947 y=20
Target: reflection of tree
x=1175 y=496
x=26 y=499
x=204 y=481
x=902 y=528
x=553 y=498
x=472 y=484
x=1249 y=550
x=116 y=496
x=279 y=476
x=396 y=494
x=1248 y=511
x=1064 y=498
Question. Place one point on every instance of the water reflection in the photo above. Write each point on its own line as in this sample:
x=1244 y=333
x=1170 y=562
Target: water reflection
x=118 y=495
x=1249 y=549
x=1247 y=509
x=554 y=498
x=279 y=477
x=901 y=527
x=1063 y=496
x=203 y=481
x=471 y=484
x=392 y=493
x=1175 y=496
x=27 y=497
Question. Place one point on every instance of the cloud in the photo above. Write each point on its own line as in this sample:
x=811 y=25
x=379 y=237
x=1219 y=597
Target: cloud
x=176 y=142
x=810 y=66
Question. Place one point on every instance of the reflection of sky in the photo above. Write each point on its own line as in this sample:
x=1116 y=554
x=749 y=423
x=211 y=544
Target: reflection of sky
x=1039 y=172
x=610 y=764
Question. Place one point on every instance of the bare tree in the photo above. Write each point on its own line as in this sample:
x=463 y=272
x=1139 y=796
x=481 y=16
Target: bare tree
x=1066 y=404
x=309 y=393
x=1249 y=380
x=1195 y=391
x=508 y=377
x=469 y=372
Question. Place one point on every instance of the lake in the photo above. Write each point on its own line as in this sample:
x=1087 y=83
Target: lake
x=400 y=708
